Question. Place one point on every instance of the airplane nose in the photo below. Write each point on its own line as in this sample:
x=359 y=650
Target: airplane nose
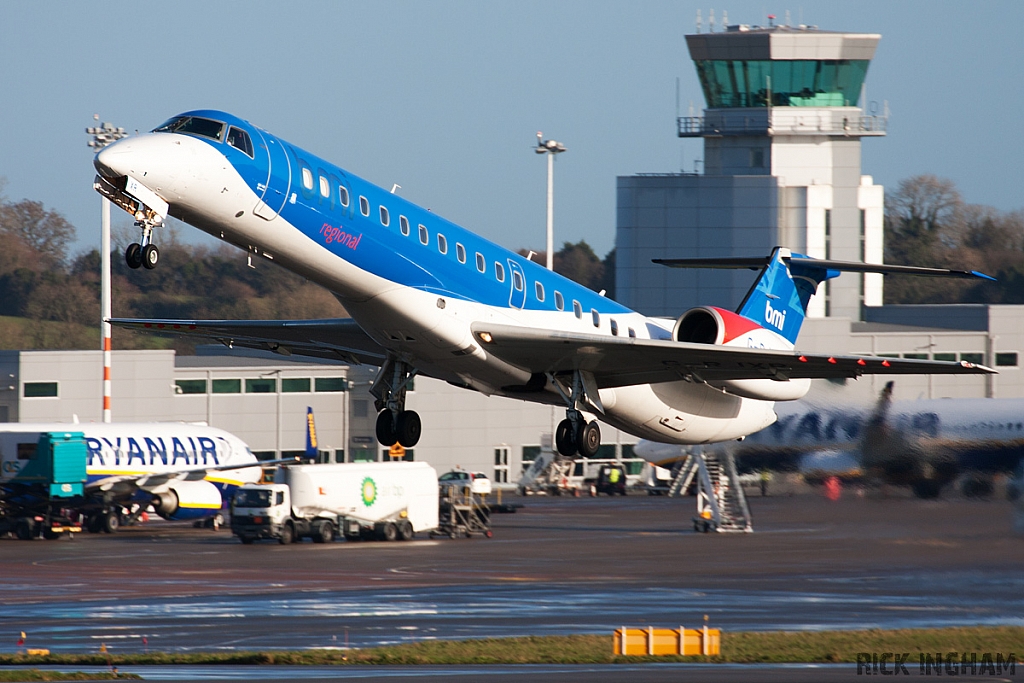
x=113 y=161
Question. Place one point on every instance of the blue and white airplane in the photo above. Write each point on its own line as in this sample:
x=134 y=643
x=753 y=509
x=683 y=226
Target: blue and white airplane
x=429 y=297
x=184 y=471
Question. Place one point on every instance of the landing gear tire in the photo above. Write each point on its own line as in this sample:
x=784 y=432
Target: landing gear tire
x=150 y=256
x=588 y=439
x=133 y=255
x=111 y=521
x=386 y=433
x=408 y=428
x=565 y=438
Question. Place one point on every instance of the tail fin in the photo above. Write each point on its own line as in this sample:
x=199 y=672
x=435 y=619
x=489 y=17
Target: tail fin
x=311 y=449
x=779 y=297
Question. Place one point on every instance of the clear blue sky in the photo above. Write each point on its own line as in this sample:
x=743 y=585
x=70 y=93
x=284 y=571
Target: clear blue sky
x=445 y=98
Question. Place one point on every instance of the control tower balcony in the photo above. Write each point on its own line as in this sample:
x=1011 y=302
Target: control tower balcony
x=764 y=121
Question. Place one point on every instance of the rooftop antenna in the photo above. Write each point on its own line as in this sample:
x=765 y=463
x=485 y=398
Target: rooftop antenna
x=789 y=22
x=711 y=20
x=700 y=23
x=725 y=19
x=771 y=20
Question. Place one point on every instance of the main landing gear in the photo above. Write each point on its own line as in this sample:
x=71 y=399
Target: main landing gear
x=395 y=424
x=575 y=434
x=146 y=253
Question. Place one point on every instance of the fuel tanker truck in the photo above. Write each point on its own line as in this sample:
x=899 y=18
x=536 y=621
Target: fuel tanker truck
x=384 y=501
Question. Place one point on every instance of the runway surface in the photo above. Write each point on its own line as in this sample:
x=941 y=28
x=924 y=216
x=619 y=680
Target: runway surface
x=560 y=565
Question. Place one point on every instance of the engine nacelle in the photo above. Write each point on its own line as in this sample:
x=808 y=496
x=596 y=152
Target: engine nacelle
x=717 y=326
x=187 y=500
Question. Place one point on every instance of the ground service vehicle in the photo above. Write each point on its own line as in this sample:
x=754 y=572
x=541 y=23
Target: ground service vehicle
x=385 y=501
x=49 y=479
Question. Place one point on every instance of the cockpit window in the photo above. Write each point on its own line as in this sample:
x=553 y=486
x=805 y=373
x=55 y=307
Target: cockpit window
x=193 y=125
x=239 y=139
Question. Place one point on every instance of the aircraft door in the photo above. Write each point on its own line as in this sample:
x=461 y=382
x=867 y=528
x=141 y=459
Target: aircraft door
x=279 y=177
x=517 y=294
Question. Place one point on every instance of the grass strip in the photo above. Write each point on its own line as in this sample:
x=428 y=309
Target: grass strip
x=19 y=675
x=738 y=647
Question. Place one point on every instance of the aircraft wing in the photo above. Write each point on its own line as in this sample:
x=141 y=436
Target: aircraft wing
x=335 y=339
x=622 y=361
x=158 y=478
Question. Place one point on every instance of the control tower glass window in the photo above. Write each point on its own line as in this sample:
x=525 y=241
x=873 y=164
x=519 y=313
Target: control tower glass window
x=792 y=83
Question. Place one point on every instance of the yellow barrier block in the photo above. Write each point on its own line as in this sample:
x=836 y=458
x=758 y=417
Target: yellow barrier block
x=38 y=652
x=667 y=641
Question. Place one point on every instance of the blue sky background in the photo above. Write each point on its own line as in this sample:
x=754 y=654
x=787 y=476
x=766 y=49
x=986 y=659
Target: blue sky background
x=445 y=98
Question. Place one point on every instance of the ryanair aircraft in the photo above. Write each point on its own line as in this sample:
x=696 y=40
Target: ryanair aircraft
x=429 y=297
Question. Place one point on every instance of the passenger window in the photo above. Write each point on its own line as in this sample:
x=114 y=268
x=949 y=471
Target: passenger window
x=239 y=139
x=460 y=252
x=559 y=301
x=424 y=237
x=325 y=187
x=343 y=193
x=577 y=309
x=307 y=179
x=364 y=206
x=499 y=271
x=517 y=280
x=540 y=291
x=596 y=316
x=403 y=222
x=480 y=264
x=615 y=328
x=442 y=244
x=385 y=217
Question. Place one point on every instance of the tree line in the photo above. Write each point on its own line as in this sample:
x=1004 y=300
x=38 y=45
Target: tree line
x=49 y=297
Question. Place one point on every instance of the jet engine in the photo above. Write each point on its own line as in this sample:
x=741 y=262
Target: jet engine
x=186 y=500
x=720 y=327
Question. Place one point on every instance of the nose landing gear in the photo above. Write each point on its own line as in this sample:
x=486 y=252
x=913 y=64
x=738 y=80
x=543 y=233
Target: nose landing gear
x=395 y=424
x=144 y=254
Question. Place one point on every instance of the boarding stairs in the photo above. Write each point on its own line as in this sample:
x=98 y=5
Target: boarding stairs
x=721 y=503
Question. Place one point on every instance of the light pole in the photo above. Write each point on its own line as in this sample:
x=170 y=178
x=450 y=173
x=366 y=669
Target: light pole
x=551 y=148
x=102 y=136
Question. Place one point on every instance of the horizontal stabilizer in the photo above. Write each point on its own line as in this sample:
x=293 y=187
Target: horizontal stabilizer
x=758 y=262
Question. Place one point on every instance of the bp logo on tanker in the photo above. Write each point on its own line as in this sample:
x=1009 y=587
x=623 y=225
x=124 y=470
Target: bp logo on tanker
x=369 y=492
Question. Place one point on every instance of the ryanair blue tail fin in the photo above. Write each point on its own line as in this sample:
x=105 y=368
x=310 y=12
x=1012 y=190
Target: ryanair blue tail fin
x=779 y=298
x=311 y=448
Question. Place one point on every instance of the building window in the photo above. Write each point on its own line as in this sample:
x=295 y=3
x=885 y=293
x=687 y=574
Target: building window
x=329 y=384
x=481 y=265
x=325 y=187
x=501 y=465
x=40 y=390
x=944 y=356
x=343 y=194
x=460 y=252
x=1006 y=359
x=916 y=356
x=403 y=223
x=976 y=358
x=499 y=271
x=263 y=385
x=577 y=309
x=539 y=288
x=307 y=179
x=364 y=206
x=442 y=244
x=559 y=301
x=424 y=235
x=190 y=386
x=227 y=386
x=385 y=217
x=757 y=158
x=360 y=408
x=295 y=385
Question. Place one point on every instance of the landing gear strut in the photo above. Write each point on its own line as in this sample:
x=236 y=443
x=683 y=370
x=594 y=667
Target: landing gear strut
x=146 y=253
x=575 y=434
x=395 y=424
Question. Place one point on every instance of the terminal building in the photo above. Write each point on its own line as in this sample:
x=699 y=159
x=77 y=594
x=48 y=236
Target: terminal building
x=782 y=135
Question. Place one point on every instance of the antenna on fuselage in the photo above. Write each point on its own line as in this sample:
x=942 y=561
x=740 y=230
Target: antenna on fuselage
x=394 y=187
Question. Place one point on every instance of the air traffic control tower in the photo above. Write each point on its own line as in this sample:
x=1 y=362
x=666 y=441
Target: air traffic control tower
x=782 y=166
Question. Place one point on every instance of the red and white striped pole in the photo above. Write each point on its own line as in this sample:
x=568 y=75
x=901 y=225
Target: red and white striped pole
x=101 y=137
